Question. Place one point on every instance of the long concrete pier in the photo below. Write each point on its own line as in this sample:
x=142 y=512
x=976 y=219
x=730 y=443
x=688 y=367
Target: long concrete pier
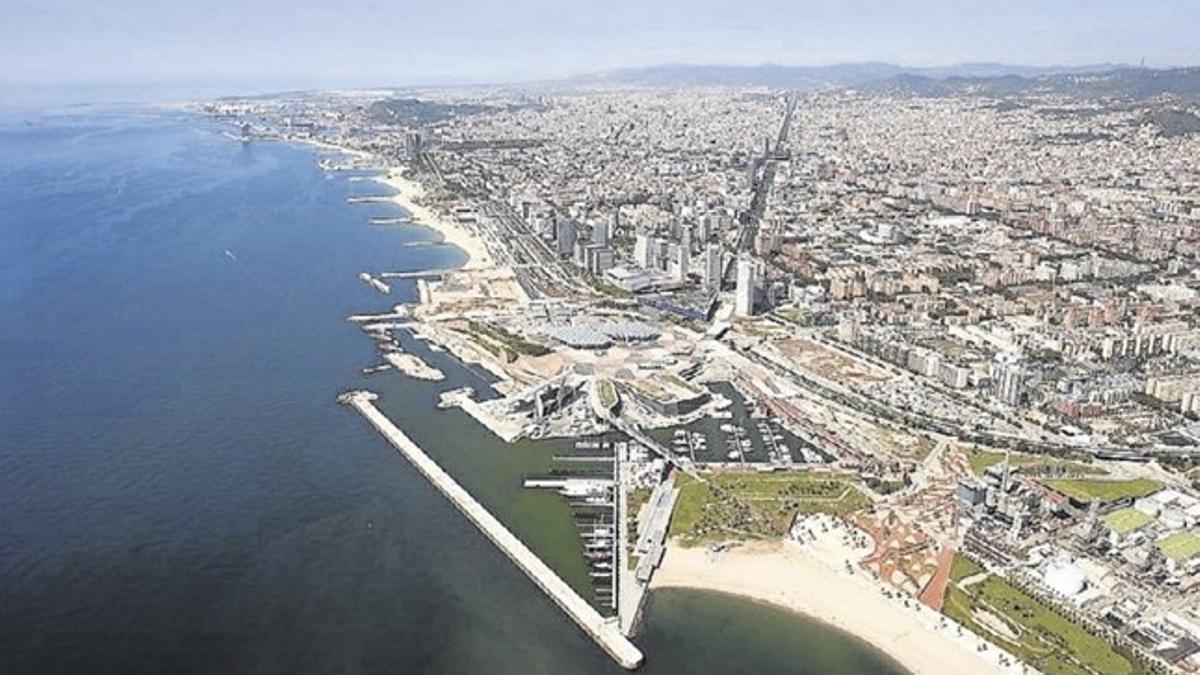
x=605 y=632
x=417 y=274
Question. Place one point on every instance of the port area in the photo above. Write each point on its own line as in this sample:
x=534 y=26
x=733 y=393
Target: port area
x=605 y=632
x=643 y=531
x=413 y=366
x=381 y=328
x=622 y=494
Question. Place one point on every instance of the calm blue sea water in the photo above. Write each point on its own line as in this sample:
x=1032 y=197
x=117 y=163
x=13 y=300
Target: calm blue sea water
x=179 y=492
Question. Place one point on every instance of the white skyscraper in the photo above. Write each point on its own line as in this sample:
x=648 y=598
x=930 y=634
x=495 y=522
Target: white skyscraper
x=712 y=266
x=565 y=237
x=1008 y=376
x=704 y=228
x=684 y=254
x=600 y=233
x=747 y=280
x=642 y=253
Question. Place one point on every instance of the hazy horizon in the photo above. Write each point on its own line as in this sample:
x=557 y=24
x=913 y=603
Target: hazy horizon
x=135 y=44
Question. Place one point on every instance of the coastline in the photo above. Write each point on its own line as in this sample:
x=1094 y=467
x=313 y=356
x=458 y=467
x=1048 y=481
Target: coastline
x=408 y=195
x=789 y=576
x=805 y=580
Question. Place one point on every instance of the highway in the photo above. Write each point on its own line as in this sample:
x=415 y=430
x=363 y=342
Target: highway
x=762 y=188
x=862 y=404
x=512 y=242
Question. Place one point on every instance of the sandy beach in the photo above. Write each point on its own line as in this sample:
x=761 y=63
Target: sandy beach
x=811 y=579
x=409 y=193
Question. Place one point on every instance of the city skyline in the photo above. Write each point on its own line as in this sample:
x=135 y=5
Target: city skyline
x=667 y=337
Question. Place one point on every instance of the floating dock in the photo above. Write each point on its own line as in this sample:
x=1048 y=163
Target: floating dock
x=605 y=632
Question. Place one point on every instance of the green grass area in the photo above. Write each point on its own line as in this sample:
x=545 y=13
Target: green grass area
x=1180 y=546
x=915 y=447
x=649 y=388
x=1123 y=521
x=1085 y=490
x=611 y=290
x=1034 y=465
x=682 y=383
x=884 y=487
x=948 y=347
x=637 y=497
x=608 y=393
x=963 y=567
x=482 y=341
x=791 y=314
x=920 y=451
x=634 y=502
x=1033 y=632
x=496 y=340
x=667 y=387
x=753 y=505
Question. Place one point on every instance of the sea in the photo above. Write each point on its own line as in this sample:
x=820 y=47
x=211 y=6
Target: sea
x=179 y=490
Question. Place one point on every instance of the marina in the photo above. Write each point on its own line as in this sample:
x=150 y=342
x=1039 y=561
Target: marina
x=604 y=631
x=588 y=482
x=742 y=433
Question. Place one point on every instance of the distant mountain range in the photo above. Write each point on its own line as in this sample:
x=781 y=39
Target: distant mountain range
x=1102 y=80
x=1121 y=83
x=836 y=75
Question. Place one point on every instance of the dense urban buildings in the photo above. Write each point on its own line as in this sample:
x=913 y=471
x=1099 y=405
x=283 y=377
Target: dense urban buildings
x=973 y=315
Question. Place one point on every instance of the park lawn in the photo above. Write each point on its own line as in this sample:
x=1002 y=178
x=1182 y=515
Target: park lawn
x=981 y=460
x=637 y=497
x=498 y=339
x=634 y=502
x=1180 y=546
x=963 y=567
x=608 y=393
x=1084 y=490
x=754 y=505
x=1123 y=521
x=1043 y=638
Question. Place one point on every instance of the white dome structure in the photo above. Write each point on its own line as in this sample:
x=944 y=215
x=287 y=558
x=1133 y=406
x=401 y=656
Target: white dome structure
x=1063 y=577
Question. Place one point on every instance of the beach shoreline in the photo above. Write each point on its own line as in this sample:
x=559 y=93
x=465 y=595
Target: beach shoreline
x=803 y=581
x=809 y=579
x=408 y=196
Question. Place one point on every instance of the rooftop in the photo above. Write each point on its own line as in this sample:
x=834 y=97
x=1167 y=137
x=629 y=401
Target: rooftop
x=1124 y=521
x=1180 y=546
x=580 y=336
